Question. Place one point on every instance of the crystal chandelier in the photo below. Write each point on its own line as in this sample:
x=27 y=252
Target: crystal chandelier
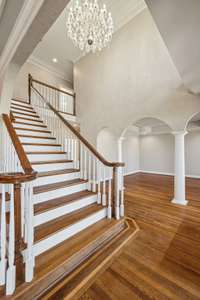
x=89 y=26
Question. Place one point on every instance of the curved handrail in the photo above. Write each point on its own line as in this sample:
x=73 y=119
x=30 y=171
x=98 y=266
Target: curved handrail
x=79 y=136
x=29 y=173
x=16 y=178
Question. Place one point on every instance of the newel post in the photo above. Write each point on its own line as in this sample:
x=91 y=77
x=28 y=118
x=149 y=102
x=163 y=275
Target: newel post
x=19 y=243
x=29 y=87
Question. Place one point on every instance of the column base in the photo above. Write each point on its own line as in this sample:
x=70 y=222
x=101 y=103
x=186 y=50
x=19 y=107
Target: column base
x=182 y=202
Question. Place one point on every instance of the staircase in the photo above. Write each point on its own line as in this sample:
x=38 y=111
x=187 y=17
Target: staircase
x=63 y=203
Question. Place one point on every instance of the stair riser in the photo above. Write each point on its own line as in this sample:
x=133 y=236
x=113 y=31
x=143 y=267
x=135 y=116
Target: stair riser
x=36 y=140
x=54 y=179
x=63 y=210
x=46 y=157
x=34 y=133
x=28 y=126
x=22 y=114
x=42 y=197
x=53 y=167
x=28 y=121
x=16 y=103
x=31 y=148
x=70 y=231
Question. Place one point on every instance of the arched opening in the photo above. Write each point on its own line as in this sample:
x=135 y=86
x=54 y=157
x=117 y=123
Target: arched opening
x=192 y=150
x=148 y=151
x=148 y=146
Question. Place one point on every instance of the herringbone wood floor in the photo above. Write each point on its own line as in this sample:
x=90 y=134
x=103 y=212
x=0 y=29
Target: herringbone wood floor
x=163 y=262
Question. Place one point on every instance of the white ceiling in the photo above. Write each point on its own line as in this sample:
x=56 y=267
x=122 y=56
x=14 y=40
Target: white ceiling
x=56 y=43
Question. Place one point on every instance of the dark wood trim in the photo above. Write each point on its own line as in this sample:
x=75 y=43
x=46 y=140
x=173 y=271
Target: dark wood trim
x=18 y=147
x=15 y=178
x=32 y=80
x=80 y=137
x=74 y=104
x=63 y=112
x=29 y=88
x=50 y=86
x=19 y=243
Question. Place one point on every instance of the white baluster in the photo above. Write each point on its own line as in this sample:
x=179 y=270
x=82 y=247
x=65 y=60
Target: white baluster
x=3 y=260
x=117 y=192
x=89 y=172
x=85 y=164
x=94 y=175
x=29 y=255
x=81 y=161
x=110 y=195
x=99 y=182
x=122 y=193
x=11 y=271
x=104 y=187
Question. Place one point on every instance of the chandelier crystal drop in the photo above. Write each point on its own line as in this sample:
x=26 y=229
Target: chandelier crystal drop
x=89 y=26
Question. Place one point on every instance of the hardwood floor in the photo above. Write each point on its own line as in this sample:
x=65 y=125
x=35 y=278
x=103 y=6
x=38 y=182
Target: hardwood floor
x=163 y=262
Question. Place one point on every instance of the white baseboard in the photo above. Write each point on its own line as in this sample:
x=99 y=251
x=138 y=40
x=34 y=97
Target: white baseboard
x=157 y=173
x=160 y=173
x=132 y=172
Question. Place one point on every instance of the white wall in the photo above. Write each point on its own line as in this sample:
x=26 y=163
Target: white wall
x=107 y=144
x=131 y=79
x=131 y=154
x=157 y=153
x=151 y=153
x=21 y=84
x=192 y=148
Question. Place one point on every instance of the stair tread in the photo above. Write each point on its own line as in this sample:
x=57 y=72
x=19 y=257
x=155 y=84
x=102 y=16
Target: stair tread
x=40 y=144
x=45 y=152
x=57 y=172
x=45 y=162
x=51 y=227
x=22 y=108
x=19 y=100
x=57 y=185
x=32 y=120
x=48 y=205
x=55 y=256
x=25 y=114
x=32 y=130
x=21 y=105
x=56 y=263
x=37 y=137
x=29 y=124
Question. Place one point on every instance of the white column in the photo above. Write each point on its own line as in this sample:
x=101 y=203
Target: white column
x=179 y=179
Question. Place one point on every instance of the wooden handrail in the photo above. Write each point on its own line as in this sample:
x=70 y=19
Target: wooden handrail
x=16 y=178
x=50 y=86
x=28 y=170
x=79 y=136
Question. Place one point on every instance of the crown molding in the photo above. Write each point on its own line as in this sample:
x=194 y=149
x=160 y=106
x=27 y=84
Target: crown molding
x=48 y=68
x=25 y=18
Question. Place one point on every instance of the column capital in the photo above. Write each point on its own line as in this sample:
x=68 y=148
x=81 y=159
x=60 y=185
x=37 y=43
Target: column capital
x=180 y=132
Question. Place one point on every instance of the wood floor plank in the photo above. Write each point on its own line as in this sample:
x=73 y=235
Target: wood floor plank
x=163 y=262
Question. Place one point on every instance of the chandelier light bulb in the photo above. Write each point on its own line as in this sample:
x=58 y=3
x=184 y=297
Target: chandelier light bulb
x=89 y=26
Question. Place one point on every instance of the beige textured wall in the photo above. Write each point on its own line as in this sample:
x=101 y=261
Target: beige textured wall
x=21 y=84
x=132 y=79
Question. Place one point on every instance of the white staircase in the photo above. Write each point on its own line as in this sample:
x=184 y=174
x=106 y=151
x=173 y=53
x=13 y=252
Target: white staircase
x=54 y=185
x=59 y=193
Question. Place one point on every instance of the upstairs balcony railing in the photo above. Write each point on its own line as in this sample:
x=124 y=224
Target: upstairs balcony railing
x=63 y=101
